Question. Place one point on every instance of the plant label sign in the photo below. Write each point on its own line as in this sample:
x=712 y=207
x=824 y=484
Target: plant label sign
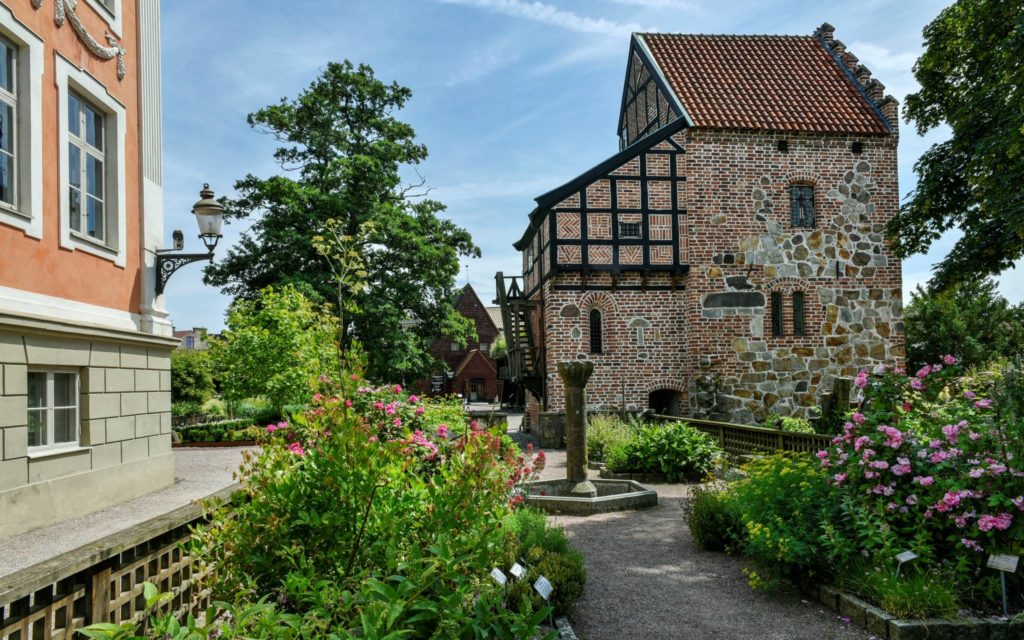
x=906 y=556
x=517 y=571
x=1001 y=562
x=543 y=587
x=499 y=576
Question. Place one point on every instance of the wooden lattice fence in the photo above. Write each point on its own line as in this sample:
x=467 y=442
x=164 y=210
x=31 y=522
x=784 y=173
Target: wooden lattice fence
x=739 y=439
x=103 y=581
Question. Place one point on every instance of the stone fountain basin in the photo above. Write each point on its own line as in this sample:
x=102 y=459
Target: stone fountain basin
x=612 y=495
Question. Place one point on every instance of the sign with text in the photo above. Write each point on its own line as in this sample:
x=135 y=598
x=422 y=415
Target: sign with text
x=543 y=587
x=499 y=576
x=906 y=556
x=517 y=571
x=1001 y=562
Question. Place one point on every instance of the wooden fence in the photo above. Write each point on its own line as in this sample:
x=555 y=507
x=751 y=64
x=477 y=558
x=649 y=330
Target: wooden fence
x=103 y=581
x=739 y=439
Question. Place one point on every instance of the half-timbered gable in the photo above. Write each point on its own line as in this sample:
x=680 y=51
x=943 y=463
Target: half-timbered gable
x=647 y=105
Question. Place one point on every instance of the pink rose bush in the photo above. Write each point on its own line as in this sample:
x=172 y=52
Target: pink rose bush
x=931 y=466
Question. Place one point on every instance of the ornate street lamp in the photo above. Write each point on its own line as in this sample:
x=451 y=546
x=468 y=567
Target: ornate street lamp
x=209 y=215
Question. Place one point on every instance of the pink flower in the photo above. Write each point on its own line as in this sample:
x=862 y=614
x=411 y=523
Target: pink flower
x=397 y=422
x=951 y=432
x=893 y=436
x=378 y=405
x=860 y=442
x=971 y=544
x=390 y=409
x=271 y=428
x=923 y=372
x=420 y=410
x=822 y=455
x=924 y=481
x=373 y=438
x=974 y=435
x=862 y=379
x=1001 y=522
x=397 y=388
x=911 y=499
x=907 y=407
x=977 y=472
x=414 y=399
x=474 y=425
x=323 y=378
x=859 y=418
x=442 y=431
x=916 y=384
x=297 y=449
x=839 y=478
x=348 y=403
x=317 y=397
x=983 y=404
x=949 y=360
x=1019 y=502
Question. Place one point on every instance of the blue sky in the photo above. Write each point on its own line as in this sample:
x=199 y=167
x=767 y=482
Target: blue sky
x=512 y=97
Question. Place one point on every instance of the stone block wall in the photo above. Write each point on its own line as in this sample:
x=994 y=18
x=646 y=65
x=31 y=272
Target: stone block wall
x=124 y=446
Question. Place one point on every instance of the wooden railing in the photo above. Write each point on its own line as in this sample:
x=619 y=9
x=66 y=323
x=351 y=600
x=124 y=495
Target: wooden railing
x=103 y=581
x=739 y=439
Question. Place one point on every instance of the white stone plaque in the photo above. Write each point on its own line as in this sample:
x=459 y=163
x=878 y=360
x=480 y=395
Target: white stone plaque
x=499 y=576
x=1001 y=562
x=517 y=571
x=543 y=587
x=906 y=556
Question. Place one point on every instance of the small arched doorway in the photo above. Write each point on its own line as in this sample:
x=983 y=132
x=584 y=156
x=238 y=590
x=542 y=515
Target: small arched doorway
x=666 y=402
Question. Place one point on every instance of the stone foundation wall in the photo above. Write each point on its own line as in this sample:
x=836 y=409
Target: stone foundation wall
x=124 y=446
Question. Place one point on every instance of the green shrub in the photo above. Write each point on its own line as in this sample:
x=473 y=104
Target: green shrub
x=239 y=430
x=783 y=503
x=191 y=376
x=547 y=553
x=674 y=449
x=789 y=424
x=186 y=408
x=605 y=432
x=215 y=407
x=713 y=519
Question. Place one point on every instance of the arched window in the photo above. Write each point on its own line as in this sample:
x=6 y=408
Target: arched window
x=595 y=331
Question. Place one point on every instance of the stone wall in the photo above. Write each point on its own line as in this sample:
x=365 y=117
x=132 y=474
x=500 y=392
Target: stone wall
x=125 y=428
x=744 y=247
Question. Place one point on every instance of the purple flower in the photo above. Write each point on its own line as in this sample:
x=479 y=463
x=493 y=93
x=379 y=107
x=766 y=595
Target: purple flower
x=949 y=360
x=970 y=395
x=916 y=384
x=983 y=404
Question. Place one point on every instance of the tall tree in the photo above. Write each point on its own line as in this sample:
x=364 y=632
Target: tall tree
x=342 y=152
x=972 y=80
x=970 y=321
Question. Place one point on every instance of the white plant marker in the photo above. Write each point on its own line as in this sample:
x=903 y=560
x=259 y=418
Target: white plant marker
x=906 y=556
x=543 y=587
x=499 y=576
x=1003 y=564
x=518 y=571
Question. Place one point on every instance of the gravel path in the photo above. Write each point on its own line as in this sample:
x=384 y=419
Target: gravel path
x=647 y=579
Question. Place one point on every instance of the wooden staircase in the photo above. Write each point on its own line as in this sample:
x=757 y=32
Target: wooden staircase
x=525 y=366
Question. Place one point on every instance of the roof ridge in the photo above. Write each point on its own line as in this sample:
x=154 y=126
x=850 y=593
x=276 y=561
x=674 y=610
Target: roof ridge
x=779 y=36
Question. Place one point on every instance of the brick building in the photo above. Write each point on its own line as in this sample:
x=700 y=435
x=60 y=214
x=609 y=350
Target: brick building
x=731 y=259
x=468 y=368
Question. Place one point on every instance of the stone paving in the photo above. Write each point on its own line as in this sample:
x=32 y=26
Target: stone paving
x=199 y=472
x=648 y=579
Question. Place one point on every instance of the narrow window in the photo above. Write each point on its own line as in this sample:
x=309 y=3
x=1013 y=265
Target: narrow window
x=777 y=314
x=485 y=347
x=86 y=168
x=801 y=205
x=629 y=230
x=52 y=409
x=595 y=331
x=454 y=346
x=8 y=122
x=798 y=313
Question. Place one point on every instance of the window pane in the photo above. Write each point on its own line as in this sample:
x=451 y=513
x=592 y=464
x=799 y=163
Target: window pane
x=36 y=427
x=6 y=127
x=64 y=390
x=74 y=113
x=7 y=178
x=36 y=389
x=64 y=427
x=75 y=203
x=6 y=66
x=94 y=218
x=74 y=166
x=94 y=176
x=93 y=127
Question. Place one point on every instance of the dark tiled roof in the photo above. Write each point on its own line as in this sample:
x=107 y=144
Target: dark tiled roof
x=782 y=83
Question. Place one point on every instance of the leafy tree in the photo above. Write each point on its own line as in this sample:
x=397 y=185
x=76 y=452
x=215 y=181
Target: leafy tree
x=275 y=346
x=191 y=377
x=972 y=80
x=970 y=321
x=342 y=222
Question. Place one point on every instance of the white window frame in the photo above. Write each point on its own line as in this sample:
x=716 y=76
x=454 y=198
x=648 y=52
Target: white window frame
x=72 y=79
x=110 y=14
x=50 y=445
x=27 y=213
x=85 y=152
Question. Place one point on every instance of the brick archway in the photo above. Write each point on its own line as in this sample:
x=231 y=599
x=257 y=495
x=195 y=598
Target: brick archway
x=666 y=397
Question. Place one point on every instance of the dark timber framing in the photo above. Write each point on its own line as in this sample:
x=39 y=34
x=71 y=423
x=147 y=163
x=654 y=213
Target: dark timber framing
x=631 y=95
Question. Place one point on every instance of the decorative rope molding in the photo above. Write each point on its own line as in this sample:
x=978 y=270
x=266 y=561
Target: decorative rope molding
x=65 y=10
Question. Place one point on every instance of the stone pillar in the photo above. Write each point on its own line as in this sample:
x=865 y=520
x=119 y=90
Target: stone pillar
x=575 y=374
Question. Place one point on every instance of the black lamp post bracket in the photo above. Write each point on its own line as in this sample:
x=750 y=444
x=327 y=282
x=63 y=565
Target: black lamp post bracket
x=167 y=264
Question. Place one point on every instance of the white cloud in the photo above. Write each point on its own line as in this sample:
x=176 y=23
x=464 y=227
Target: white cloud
x=893 y=69
x=552 y=15
x=680 y=5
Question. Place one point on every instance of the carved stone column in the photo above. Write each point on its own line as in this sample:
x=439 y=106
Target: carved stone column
x=575 y=374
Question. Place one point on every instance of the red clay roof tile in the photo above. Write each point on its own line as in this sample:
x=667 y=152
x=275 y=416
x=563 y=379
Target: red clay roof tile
x=785 y=83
